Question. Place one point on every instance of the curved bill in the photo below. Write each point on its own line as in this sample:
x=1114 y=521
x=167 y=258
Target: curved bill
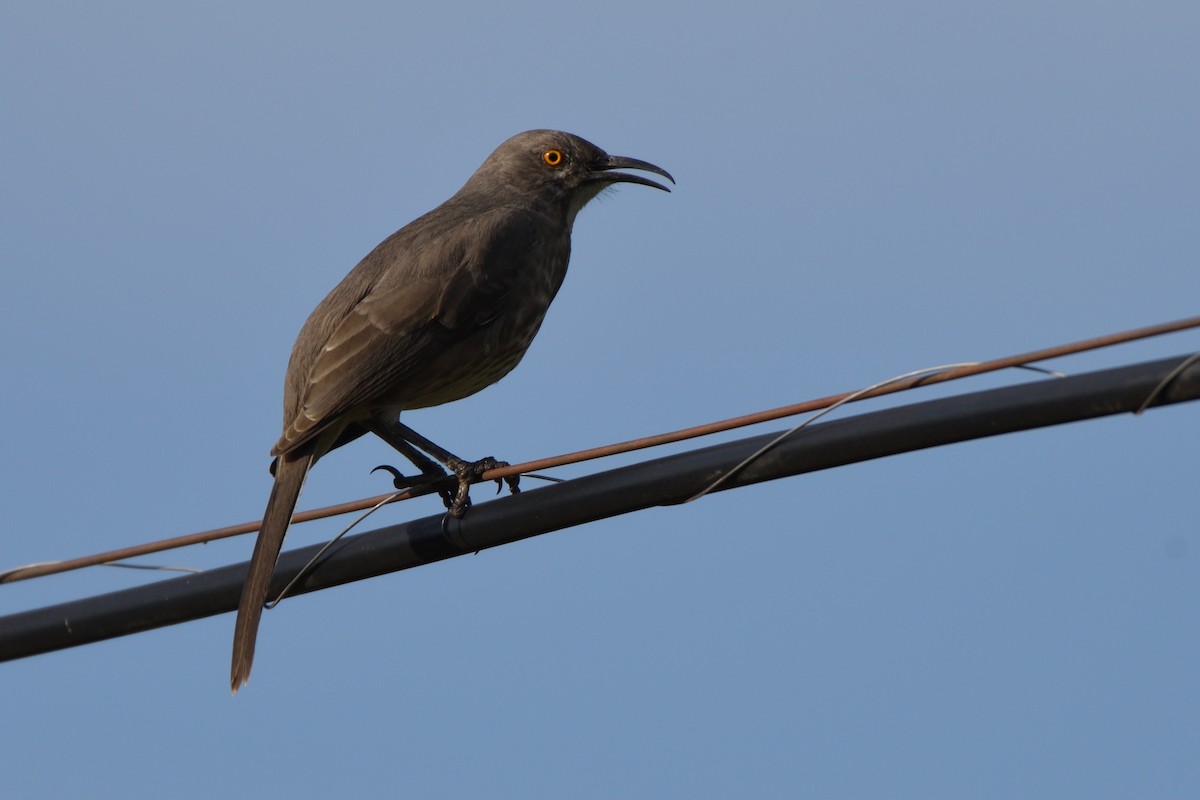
x=600 y=171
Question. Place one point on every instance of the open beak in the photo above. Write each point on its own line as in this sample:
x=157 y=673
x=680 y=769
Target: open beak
x=600 y=171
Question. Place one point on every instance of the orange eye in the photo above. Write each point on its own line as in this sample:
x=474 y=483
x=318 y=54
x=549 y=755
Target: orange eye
x=553 y=158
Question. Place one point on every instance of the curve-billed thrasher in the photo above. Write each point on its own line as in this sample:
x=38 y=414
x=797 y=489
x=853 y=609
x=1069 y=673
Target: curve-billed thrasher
x=440 y=309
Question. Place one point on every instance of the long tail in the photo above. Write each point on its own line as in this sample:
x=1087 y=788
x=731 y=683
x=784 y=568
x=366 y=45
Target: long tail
x=289 y=478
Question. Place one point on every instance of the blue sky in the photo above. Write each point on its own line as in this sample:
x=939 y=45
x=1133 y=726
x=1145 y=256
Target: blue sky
x=863 y=189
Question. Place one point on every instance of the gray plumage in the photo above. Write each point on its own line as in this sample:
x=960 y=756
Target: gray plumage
x=440 y=309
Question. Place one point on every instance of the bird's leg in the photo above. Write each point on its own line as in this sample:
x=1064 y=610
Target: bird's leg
x=407 y=441
x=430 y=470
x=466 y=471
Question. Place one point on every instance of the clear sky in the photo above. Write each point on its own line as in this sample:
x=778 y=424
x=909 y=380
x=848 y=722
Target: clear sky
x=864 y=189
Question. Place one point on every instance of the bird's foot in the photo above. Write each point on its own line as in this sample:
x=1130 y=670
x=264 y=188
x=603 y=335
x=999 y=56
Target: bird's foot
x=469 y=472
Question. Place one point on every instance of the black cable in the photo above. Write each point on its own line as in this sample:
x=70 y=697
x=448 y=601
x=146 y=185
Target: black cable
x=661 y=481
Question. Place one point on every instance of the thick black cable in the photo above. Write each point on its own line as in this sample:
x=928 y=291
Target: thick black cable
x=662 y=481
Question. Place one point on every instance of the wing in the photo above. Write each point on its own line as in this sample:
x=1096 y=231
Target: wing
x=415 y=296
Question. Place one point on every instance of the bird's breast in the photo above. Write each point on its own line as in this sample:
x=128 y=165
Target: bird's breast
x=493 y=349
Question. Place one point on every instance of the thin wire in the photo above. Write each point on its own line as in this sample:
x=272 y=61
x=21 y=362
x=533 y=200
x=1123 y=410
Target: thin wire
x=312 y=561
x=1023 y=360
x=1053 y=373
x=1165 y=382
x=162 y=567
x=307 y=567
x=757 y=454
x=549 y=478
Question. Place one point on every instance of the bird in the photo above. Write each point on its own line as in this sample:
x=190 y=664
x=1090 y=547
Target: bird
x=439 y=310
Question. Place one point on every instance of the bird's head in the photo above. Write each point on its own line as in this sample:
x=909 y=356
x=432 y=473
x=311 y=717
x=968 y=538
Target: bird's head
x=544 y=167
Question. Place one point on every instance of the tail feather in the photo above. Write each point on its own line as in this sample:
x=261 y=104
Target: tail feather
x=289 y=479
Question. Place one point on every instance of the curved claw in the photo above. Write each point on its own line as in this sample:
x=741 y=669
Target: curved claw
x=401 y=481
x=396 y=474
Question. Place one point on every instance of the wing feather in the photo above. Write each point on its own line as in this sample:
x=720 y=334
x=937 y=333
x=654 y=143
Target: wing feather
x=418 y=303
